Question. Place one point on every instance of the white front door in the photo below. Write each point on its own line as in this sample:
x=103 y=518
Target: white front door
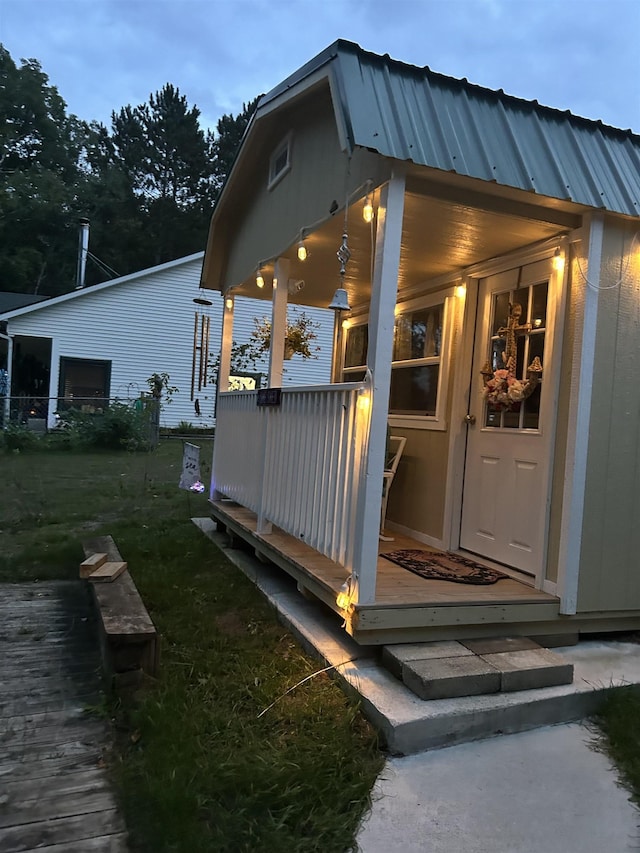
x=507 y=468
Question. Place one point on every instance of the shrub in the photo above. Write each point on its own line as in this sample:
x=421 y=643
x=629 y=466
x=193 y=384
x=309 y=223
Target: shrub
x=17 y=437
x=119 y=426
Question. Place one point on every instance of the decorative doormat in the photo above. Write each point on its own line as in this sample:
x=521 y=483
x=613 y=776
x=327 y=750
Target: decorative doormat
x=443 y=566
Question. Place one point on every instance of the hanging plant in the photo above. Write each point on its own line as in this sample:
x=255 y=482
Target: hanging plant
x=299 y=338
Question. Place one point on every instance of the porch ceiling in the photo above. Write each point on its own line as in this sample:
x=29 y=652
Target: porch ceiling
x=440 y=236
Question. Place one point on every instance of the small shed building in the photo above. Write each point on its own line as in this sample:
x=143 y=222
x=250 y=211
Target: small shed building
x=486 y=297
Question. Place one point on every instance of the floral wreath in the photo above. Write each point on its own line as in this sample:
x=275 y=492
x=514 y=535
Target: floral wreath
x=503 y=391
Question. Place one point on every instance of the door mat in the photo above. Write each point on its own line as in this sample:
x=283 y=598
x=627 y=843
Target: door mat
x=443 y=566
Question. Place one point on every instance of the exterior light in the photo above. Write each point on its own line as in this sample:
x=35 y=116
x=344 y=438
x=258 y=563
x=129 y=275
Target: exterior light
x=364 y=399
x=346 y=324
x=343 y=599
x=302 y=251
x=367 y=210
x=461 y=291
x=228 y=303
x=259 y=278
x=558 y=261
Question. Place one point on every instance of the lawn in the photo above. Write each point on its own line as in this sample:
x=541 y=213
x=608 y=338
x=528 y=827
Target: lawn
x=196 y=767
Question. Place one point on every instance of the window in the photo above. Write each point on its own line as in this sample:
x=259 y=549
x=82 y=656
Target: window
x=84 y=384
x=415 y=368
x=530 y=340
x=418 y=366
x=280 y=162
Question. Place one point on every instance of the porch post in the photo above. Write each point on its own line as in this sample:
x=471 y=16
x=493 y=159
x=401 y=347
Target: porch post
x=7 y=401
x=384 y=291
x=579 y=424
x=278 y=321
x=276 y=358
x=228 y=304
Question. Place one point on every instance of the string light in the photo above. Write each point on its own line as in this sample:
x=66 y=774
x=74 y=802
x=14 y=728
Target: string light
x=259 y=278
x=623 y=274
x=367 y=210
x=343 y=599
x=302 y=251
x=558 y=260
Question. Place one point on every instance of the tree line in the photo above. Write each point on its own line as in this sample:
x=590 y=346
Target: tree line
x=147 y=184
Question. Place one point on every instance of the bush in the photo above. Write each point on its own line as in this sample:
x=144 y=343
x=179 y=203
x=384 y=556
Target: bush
x=118 y=427
x=17 y=438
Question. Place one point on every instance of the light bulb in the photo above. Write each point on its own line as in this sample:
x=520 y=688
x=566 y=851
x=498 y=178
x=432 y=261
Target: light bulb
x=259 y=279
x=343 y=599
x=367 y=210
x=302 y=251
x=364 y=401
x=229 y=303
x=558 y=260
x=461 y=291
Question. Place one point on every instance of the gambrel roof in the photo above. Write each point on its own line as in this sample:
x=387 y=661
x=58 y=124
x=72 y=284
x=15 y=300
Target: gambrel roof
x=414 y=114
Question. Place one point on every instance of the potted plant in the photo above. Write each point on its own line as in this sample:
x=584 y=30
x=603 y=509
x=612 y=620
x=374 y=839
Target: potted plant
x=299 y=338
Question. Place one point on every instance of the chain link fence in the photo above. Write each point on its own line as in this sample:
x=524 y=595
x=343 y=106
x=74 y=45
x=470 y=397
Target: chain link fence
x=46 y=414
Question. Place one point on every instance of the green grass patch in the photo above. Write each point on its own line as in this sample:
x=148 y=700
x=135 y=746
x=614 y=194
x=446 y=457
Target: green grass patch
x=197 y=768
x=618 y=720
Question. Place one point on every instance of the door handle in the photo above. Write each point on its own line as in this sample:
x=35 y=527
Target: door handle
x=469 y=420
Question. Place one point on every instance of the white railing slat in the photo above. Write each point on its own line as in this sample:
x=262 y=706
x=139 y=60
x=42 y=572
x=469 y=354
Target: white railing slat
x=295 y=463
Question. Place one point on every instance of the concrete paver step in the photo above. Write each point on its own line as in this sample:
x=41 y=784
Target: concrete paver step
x=446 y=670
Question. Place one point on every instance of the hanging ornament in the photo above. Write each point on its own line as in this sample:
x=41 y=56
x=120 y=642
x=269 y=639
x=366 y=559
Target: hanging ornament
x=501 y=388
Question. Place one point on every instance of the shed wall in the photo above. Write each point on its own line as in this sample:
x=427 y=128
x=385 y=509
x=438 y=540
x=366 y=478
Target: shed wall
x=609 y=566
x=320 y=174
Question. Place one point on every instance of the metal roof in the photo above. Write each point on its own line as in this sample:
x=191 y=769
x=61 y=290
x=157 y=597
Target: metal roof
x=414 y=114
x=10 y=300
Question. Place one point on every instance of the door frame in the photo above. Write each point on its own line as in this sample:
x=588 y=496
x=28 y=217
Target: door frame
x=465 y=384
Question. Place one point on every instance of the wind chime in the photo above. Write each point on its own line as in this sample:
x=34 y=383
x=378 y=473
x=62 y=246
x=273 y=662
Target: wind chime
x=201 y=326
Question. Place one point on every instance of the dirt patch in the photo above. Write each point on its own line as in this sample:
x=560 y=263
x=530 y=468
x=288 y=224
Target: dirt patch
x=231 y=624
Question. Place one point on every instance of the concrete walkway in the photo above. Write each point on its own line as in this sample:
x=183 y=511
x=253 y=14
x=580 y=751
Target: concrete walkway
x=542 y=791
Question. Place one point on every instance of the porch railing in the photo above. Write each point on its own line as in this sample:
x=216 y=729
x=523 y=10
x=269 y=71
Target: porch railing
x=297 y=465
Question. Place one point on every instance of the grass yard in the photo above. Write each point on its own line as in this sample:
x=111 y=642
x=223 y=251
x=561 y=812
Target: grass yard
x=619 y=723
x=196 y=768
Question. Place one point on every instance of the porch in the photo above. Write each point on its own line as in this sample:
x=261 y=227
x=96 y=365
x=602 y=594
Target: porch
x=407 y=608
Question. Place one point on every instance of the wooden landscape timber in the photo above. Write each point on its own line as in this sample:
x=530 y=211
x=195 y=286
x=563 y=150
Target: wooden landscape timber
x=129 y=641
x=89 y=566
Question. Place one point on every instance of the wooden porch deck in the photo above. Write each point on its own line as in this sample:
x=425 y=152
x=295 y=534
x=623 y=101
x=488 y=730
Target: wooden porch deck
x=407 y=608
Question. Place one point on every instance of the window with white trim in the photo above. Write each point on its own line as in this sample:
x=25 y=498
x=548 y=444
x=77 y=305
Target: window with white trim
x=280 y=162
x=419 y=365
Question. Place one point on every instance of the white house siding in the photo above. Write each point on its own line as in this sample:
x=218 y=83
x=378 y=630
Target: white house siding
x=143 y=324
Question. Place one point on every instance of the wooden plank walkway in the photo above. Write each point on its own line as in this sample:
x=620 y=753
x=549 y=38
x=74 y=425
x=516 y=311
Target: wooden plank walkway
x=55 y=794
